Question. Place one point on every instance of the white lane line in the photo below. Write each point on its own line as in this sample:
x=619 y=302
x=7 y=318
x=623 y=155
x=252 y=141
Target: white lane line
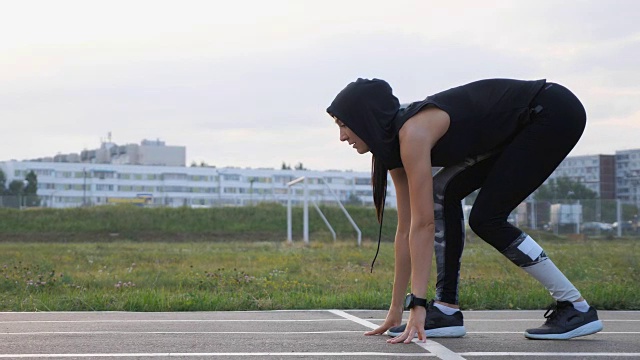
x=355 y=319
x=261 y=354
x=259 y=332
x=244 y=320
x=180 y=332
x=520 y=312
x=542 y=310
x=40 y=312
x=35 y=313
x=214 y=320
x=554 y=354
x=162 y=320
x=512 y=320
x=431 y=346
x=521 y=332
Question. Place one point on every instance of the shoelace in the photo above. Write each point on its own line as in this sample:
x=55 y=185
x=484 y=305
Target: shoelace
x=554 y=309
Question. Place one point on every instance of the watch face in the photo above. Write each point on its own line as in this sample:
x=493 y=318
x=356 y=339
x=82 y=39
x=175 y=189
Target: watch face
x=408 y=301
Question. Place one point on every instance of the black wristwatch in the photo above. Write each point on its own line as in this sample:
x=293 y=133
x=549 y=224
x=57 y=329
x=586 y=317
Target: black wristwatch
x=411 y=301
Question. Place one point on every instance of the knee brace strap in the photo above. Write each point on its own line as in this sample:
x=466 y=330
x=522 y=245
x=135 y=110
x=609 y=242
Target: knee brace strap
x=524 y=251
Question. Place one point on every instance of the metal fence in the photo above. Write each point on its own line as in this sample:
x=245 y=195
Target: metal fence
x=606 y=218
x=594 y=217
x=20 y=201
x=64 y=201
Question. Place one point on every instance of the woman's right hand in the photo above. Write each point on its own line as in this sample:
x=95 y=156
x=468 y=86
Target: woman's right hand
x=394 y=318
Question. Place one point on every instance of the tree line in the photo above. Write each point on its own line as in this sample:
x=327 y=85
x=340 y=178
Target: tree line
x=19 y=193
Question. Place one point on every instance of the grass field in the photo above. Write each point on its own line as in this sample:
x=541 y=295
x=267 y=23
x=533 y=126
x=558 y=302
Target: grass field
x=246 y=275
x=265 y=222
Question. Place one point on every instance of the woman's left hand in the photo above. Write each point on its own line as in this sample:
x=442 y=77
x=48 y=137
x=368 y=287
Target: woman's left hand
x=415 y=326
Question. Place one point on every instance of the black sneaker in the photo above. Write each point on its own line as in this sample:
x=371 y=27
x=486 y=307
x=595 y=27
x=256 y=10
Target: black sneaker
x=437 y=324
x=565 y=322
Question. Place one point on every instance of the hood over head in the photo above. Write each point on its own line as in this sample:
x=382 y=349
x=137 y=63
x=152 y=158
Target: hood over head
x=369 y=109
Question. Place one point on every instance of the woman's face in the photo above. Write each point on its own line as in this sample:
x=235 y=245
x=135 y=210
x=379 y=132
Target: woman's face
x=349 y=136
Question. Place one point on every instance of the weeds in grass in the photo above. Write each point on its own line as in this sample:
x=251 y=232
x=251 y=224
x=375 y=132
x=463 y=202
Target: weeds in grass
x=135 y=276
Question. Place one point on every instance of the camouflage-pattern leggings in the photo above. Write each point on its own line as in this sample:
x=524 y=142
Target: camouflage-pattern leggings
x=506 y=177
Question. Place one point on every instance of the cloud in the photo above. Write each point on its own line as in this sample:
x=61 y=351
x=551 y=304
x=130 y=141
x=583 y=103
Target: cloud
x=598 y=137
x=240 y=88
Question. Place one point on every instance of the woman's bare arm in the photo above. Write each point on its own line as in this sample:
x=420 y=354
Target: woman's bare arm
x=417 y=137
x=401 y=245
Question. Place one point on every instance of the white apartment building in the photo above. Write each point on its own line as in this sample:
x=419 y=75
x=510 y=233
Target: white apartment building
x=64 y=184
x=596 y=172
x=628 y=176
x=610 y=176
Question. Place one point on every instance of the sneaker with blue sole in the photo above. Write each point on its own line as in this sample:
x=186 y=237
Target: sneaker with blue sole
x=565 y=322
x=437 y=324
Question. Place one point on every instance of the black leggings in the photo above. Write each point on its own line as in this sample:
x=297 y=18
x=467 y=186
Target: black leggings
x=506 y=178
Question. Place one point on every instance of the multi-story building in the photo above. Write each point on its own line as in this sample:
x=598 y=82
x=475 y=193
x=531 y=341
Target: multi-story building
x=149 y=152
x=62 y=184
x=155 y=174
x=610 y=176
x=596 y=172
x=628 y=176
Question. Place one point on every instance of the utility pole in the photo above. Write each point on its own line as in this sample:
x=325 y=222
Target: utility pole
x=84 y=187
x=251 y=181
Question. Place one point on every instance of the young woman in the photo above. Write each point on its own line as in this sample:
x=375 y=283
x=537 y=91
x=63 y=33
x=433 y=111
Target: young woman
x=502 y=136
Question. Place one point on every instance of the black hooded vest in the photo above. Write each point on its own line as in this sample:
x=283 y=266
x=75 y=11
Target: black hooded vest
x=484 y=115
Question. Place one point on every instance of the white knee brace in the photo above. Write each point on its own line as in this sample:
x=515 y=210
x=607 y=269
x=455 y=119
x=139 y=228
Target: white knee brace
x=527 y=254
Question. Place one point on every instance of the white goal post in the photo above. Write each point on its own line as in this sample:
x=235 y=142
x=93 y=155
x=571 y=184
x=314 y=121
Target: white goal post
x=305 y=211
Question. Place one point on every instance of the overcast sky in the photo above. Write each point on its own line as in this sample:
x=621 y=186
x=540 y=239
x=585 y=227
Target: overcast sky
x=246 y=83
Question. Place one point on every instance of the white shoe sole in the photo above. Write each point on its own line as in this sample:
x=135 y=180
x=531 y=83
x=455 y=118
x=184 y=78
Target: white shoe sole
x=587 y=329
x=446 y=332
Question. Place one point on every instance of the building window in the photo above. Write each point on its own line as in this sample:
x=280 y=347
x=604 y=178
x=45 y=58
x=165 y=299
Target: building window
x=46 y=186
x=261 y=179
x=335 y=180
x=175 y=176
x=231 y=177
x=43 y=172
x=103 y=174
x=177 y=189
x=282 y=179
